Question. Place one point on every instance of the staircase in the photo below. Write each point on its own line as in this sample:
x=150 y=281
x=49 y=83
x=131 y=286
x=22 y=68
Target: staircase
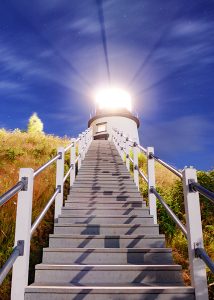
x=105 y=244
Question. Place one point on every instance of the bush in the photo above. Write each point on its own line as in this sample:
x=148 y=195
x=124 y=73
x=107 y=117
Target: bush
x=35 y=125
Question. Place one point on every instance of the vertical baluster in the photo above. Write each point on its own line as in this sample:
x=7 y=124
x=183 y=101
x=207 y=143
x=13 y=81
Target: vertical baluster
x=83 y=145
x=22 y=234
x=118 y=142
x=127 y=150
x=135 y=166
x=80 y=151
x=194 y=234
x=59 y=182
x=72 y=162
x=121 y=144
x=151 y=183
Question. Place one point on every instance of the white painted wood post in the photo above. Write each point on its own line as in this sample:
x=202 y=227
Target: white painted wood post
x=135 y=166
x=59 y=182
x=195 y=235
x=80 y=151
x=151 y=183
x=121 y=145
x=83 y=146
x=72 y=162
x=117 y=141
x=127 y=150
x=22 y=233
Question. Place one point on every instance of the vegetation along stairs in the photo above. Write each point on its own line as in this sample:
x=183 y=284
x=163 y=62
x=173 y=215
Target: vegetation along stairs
x=105 y=243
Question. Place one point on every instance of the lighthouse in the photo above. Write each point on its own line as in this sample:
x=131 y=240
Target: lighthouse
x=113 y=110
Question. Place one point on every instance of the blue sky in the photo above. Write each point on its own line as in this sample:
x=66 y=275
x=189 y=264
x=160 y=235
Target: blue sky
x=52 y=58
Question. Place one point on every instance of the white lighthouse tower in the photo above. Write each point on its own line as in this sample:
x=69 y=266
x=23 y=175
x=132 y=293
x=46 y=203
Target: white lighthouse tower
x=113 y=110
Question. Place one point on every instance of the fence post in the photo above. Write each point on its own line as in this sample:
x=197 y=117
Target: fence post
x=80 y=151
x=127 y=150
x=59 y=182
x=135 y=166
x=22 y=234
x=121 y=146
x=151 y=183
x=194 y=234
x=72 y=162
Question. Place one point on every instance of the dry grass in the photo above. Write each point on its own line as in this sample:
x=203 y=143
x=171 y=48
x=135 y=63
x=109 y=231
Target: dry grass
x=20 y=150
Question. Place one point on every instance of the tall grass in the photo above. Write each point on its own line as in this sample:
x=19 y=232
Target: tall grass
x=20 y=150
x=171 y=189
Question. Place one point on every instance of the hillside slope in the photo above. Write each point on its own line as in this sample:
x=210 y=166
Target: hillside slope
x=18 y=150
x=29 y=150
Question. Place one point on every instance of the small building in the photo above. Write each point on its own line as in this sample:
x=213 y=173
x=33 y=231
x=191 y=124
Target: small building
x=105 y=119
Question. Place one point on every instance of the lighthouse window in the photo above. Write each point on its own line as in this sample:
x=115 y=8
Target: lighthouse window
x=101 y=127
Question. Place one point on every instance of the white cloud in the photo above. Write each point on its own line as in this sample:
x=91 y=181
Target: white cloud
x=190 y=28
x=184 y=134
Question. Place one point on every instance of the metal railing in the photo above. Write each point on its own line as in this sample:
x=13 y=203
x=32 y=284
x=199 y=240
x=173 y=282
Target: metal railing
x=193 y=229
x=19 y=258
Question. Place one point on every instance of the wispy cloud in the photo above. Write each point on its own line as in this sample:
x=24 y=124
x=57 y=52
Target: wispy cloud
x=187 y=134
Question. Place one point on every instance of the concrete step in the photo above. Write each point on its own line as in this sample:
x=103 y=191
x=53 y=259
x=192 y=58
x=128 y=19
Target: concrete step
x=104 y=170
x=104 y=194
x=141 y=212
x=104 y=177
x=107 y=256
x=109 y=200
x=102 y=204
x=104 y=184
x=120 y=274
x=111 y=229
x=102 y=173
x=124 y=189
x=105 y=220
x=104 y=292
x=106 y=241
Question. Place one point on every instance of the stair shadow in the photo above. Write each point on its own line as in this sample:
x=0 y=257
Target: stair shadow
x=82 y=294
x=83 y=256
x=132 y=229
x=84 y=243
x=80 y=275
x=110 y=242
x=92 y=229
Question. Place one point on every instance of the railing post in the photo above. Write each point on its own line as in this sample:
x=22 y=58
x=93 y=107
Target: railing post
x=80 y=151
x=135 y=166
x=59 y=182
x=22 y=233
x=151 y=183
x=83 y=146
x=121 y=145
x=127 y=151
x=194 y=234
x=72 y=162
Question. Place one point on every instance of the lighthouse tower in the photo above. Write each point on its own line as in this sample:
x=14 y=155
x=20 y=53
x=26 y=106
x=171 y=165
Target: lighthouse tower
x=113 y=110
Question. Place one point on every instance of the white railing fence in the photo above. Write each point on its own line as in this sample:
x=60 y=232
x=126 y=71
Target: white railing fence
x=24 y=229
x=191 y=189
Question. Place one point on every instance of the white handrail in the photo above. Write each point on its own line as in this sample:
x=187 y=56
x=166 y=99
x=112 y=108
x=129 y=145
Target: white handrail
x=193 y=229
x=20 y=259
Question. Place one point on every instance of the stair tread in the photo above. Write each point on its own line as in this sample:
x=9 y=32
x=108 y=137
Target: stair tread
x=111 y=250
x=101 y=236
x=113 y=287
x=108 y=267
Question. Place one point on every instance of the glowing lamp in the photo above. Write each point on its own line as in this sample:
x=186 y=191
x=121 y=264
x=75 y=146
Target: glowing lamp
x=113 y=111
x=113 y=99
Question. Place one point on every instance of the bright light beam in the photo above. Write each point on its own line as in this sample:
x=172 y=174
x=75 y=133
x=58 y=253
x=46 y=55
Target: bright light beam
x=113 y=99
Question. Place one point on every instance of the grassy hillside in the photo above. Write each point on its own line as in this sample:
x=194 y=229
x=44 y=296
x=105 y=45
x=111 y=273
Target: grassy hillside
x=170 y=187
x=19 y=150
x=29 y=150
